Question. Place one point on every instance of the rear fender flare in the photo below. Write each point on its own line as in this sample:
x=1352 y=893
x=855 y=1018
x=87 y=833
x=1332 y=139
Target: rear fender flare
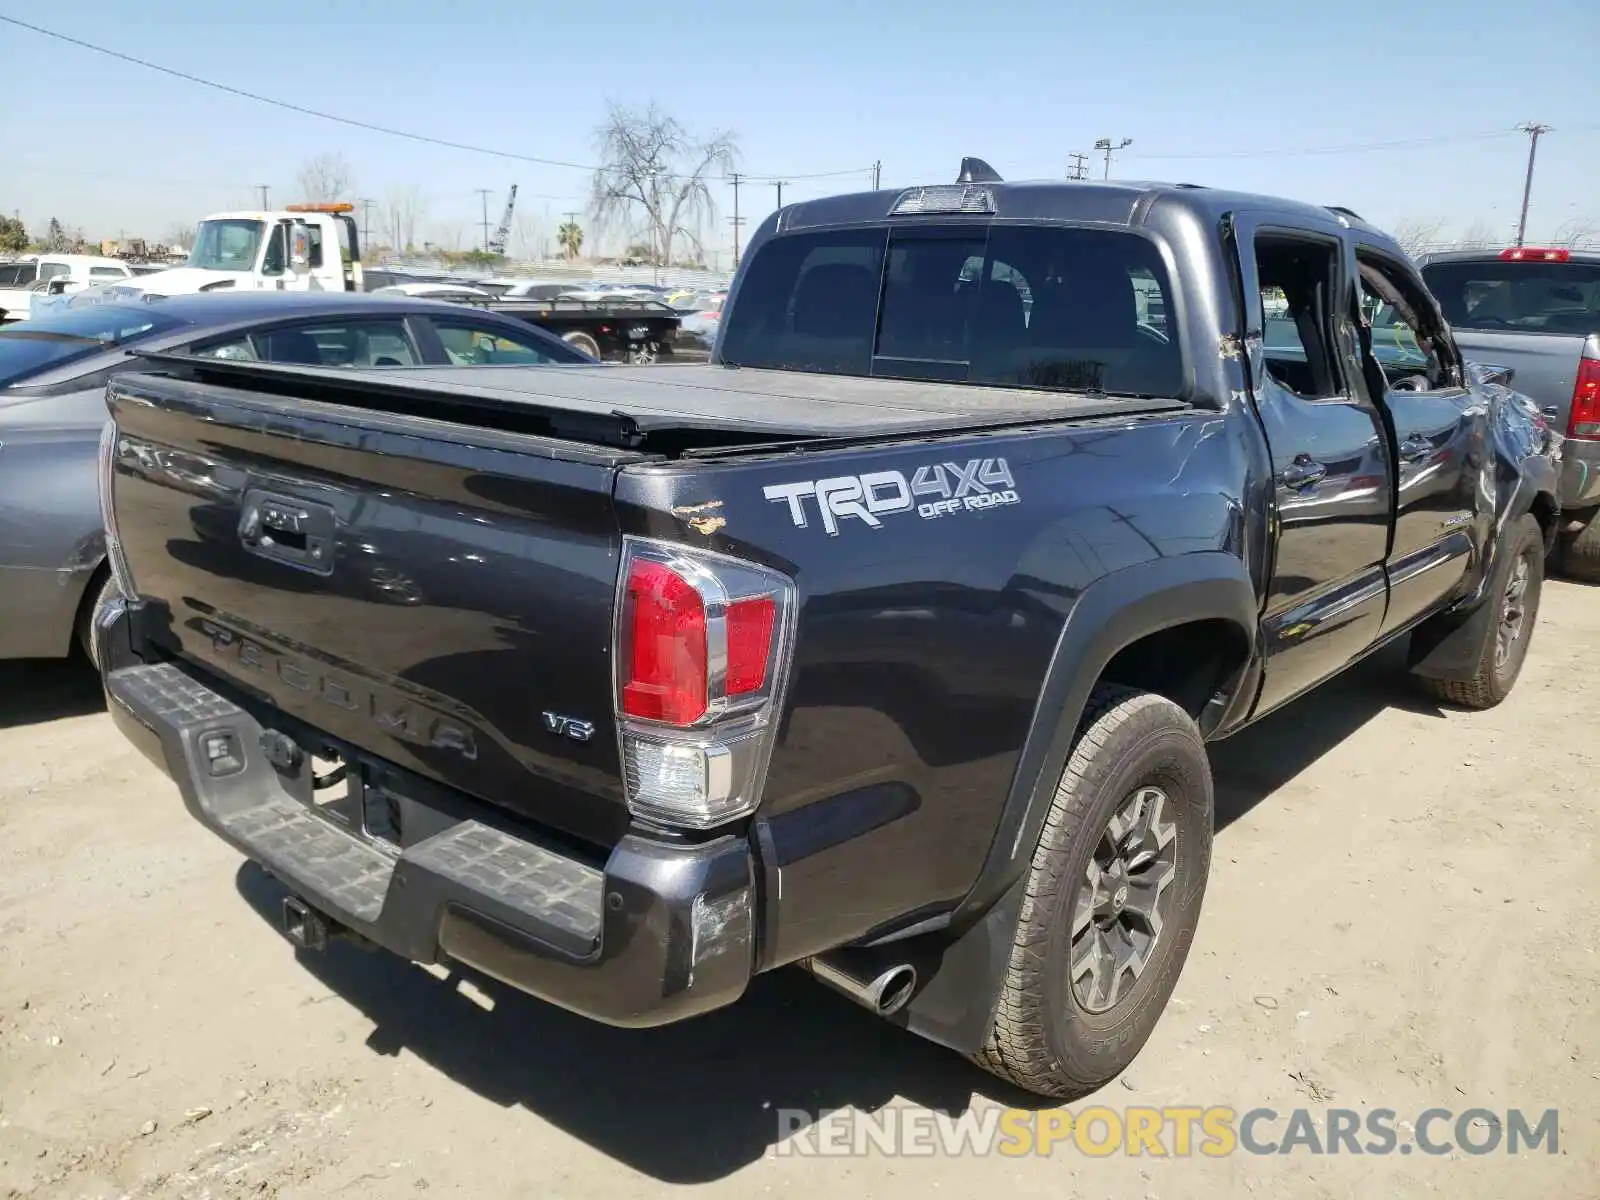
x=1113 y=612
x=965 y=967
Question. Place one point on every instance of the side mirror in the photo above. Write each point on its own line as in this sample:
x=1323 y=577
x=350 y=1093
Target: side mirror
x=300 y=248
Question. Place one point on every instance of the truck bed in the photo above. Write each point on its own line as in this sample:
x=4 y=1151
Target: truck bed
x=667 y=398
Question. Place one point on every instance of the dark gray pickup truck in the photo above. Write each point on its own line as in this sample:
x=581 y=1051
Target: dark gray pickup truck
x=886 y=644
x=1536 y=311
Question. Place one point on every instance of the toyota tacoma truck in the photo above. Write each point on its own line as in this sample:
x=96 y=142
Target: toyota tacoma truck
x=1536 y=311
x=887 y=643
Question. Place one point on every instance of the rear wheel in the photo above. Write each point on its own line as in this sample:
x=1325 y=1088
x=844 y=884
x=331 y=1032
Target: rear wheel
x=1580 y=551
x=1514 y=591
x=1112 y=899
x=580 y=340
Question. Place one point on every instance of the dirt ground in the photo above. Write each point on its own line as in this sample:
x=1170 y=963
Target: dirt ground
x=1404 y=912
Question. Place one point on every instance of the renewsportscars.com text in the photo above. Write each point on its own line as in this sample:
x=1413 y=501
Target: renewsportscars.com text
x=1174 y=1130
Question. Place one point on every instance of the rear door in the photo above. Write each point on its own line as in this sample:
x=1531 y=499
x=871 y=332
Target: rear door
x=1330 y=456
x=1442 y=459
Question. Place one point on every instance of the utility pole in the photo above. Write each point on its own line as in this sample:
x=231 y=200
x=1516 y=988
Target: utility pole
x=877 y=175
x=366 y=222
x=1078 y=168
x=1533 y=131
x=778 y=183
x=736 y=220
x=483 y=193
x=264 y=205
x=1105 y=144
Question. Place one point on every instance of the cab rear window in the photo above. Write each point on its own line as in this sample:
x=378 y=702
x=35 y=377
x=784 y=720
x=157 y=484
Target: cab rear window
x=1527 y=297
x=1009 y=306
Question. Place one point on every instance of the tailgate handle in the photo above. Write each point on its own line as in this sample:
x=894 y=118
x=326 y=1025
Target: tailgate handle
x=288 y=530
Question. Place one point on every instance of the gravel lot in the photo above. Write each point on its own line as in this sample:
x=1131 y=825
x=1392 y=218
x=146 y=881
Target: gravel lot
x=1404 y=912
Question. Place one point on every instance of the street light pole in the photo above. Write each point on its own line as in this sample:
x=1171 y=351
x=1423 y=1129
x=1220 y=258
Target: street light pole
x=1106 y=145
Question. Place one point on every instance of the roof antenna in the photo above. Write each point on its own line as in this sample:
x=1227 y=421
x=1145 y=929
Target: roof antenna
x=975 y=170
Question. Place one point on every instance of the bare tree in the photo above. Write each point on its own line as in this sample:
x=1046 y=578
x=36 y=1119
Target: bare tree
x=325 y=178
x=656 y=173
x=403 y=210
x=1576 y=229
x=1416 y=234
x=1477 y=236
x=527 y=236
x=181 y=233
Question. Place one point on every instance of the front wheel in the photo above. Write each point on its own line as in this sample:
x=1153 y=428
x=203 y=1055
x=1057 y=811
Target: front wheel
x=1112 y=899
x=1514 y=591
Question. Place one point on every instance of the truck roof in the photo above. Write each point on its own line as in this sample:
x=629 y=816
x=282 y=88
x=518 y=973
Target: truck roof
x=1113 y=203
x=1494 y=255
x=666 y=398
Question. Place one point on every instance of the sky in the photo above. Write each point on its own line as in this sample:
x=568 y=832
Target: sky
x=1405 y=112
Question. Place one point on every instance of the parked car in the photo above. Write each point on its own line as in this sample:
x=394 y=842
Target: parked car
x=887 y=644
x=1537 y=311
x=433 y=291
x=21 y=279
x=53 y=373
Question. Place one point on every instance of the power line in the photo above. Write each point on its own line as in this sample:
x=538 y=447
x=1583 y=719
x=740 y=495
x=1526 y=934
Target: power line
x=352 y=122
x=1348 y=148
x=1534 y=131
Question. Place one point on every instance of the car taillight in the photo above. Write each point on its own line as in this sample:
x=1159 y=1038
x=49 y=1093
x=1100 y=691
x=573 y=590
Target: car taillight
x=108 y=512
x=703 y=646
x=1585 y=420
x=1534 y=254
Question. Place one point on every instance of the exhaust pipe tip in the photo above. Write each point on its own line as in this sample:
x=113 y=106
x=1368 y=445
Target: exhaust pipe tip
x=894 y=989
x=885 y=991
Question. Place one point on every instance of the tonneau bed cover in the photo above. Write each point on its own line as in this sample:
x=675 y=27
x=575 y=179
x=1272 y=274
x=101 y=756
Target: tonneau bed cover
x=666 y=398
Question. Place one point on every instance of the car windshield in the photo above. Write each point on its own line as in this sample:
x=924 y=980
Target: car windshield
x=1527 y=297
x=61 y=337
x=1058 y=308
x=227 y=245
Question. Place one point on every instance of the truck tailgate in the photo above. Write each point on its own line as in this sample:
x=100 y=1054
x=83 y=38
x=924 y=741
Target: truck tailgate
x=421 y=591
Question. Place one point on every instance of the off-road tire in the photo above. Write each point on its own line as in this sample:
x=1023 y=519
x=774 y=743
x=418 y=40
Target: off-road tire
x=1042 y=1038
x=579 y=340
x=1579 y=552
x=1492 y=681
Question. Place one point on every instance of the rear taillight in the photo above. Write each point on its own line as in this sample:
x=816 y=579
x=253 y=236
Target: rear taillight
x=703 y=644
x=1534 y=254
x=108 y=512
x=1585 y=420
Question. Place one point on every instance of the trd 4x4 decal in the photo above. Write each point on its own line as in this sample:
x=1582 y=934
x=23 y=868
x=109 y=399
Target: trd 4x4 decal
x=949 y=488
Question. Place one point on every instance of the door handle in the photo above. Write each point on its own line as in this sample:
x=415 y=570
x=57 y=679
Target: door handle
x=1303 y=472
x=1415 y=447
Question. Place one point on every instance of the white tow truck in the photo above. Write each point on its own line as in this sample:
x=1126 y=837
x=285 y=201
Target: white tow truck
x=299 y=248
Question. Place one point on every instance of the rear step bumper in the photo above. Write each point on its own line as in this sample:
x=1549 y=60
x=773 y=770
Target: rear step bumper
x=663 y=932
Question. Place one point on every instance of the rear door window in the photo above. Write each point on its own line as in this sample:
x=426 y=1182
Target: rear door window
x=1527 y=297
x=361 y=343
x=1011 y=306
